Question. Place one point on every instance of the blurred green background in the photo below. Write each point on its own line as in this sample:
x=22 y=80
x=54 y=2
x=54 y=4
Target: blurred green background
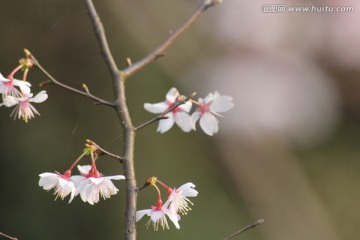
x=287 y=152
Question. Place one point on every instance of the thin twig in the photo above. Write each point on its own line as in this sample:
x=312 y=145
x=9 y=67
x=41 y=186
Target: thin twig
x=257 y=223
x=177 y=103
x=7 y=236
x=161 y=50
x=100 y=151
x=53 y=81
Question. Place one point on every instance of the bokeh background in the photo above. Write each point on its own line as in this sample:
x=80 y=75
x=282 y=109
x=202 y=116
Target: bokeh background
x=288 y=152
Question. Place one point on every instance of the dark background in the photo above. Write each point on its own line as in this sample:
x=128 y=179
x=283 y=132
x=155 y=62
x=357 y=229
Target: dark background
x=287 y=152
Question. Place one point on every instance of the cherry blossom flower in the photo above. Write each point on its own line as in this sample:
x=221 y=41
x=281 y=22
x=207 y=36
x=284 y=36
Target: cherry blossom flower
x=24 y=109
x=63 y=184
x=158 y=216
x=91 y=185
x=178 y=199
x=211 y=105
x=7 y=86
x=179 y=115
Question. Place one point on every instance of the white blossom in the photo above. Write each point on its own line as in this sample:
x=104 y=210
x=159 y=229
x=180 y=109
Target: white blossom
x=63 y=185
x=208 y=108
x=179 y=115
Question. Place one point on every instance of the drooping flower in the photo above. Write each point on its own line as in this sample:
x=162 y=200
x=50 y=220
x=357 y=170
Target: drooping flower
x=8 y=86
x=179 y=115
x=62 y=183
x=178 y=199
x=158 y=216
x=91 y=185
x=24 y=109
x=211 y=105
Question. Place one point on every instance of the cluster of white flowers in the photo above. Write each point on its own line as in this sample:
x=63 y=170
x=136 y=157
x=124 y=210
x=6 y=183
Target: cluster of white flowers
x=90 y=184
x=18 y=93
x=176 y=203
x=206 y=110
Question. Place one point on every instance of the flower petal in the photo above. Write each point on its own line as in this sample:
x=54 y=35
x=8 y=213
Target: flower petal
x=184 y=121
x=186 y=107
x=221 y=104
x=209 y=124
x=141 y=213
x=116 y=177
x=10 y=101
x=48 y=180
x=194 y=117
x=156 y=107
x=23 y=85
x=174 y=218
x=166 y=124
x=172 y=94
x=84 y=170
x=40 y=97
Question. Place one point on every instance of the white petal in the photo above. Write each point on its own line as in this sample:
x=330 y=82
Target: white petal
x=184 y=121
x=221 y=104
x=10 y=101
x=2 y=77
x=194 y=117
x=174 y=218
x=23 y=85
x=209 y=98
x=172 y=95
x=141 y=213
x=156 y=215
x=77 y=179
x=84 y=170
x=166 y=124
x=40 y=97
x=116 y=177
x=209 y=124
x=186 y=107
x=187 y=190
x=48 y=180
x=156 y=107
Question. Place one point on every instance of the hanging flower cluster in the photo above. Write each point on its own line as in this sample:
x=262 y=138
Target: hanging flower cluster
x=90 y=184
x=205 y=112
x=177 y=203
x=18 y=93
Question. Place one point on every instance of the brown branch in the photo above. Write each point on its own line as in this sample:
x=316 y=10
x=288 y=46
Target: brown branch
x=126 y=123
x=257 y=223
x=121 y=107
x=55 y=82
x=101 y=37
x=100 y=151
x=177 y=103
x=7 y=236
x=161 y=50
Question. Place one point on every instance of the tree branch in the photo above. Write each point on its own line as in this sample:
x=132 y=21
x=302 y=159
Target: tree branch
x=100 y=151
x=126 y=123
x=101 y=37
x=53 y=81
x=7 y=236
x=257 y=223
x=161 y=50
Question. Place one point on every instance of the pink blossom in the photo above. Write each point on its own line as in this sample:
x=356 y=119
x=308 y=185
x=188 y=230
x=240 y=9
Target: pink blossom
x=24 y=109
x=63 y=184
x=178 y=199
x=208 y=108
x=179 y=115
x=7 y=86
x=91 y=187
x=158 y=217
